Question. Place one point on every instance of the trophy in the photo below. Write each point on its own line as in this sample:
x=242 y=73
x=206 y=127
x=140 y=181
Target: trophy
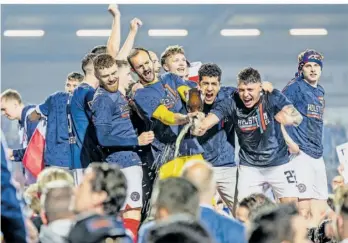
x=194 y=102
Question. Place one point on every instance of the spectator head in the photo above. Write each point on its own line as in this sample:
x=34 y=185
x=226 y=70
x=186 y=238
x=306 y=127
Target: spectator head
x=174 y=196
x=201 y=174
x=248 y=204
x=56 y=201
x=53 y=174
x=103 y=190
x=280 y=224
x=183 y=231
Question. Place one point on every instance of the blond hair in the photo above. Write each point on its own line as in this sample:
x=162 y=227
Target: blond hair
x=170 y=51
x=53 y=174
x=11 y=94
x=32 y=199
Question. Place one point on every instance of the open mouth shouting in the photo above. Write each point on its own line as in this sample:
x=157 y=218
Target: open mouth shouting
x=248 y=102
x=209 y=97
x=148 y=75
x=181 y=70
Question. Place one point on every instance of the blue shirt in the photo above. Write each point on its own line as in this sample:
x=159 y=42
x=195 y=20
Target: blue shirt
x=309 y=101
x=259 y=135
x=115 y=132
x=220 y=228
x=18 y=154
x=218 y=142
x=58 y=151
x=85 y=149
x=12 y=221
x=164 y=92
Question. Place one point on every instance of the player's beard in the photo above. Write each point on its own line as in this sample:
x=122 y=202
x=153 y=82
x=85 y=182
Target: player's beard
x=145 y=79
x=111 y=87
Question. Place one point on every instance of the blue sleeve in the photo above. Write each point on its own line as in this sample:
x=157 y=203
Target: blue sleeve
x=277 y=101
x=11 y=210
x=88 y=102
x=291 y=92
x=89 y=96
x=191 y=84
x=148 y=100
x=223 y=108
x=44 y=107
x=173 y=78
x=102 y=118
x=179 y=81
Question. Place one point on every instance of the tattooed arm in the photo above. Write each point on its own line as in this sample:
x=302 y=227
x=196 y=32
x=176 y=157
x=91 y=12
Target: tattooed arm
x=289 y=116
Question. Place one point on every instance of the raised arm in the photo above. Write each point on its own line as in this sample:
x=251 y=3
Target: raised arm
x=128 y=44
x=113 y=45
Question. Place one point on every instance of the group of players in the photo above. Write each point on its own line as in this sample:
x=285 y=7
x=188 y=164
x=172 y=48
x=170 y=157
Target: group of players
x=105 y=115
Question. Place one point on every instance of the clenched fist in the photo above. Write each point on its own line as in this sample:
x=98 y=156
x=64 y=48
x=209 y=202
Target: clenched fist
x=113 y=9
x=135 y=24
x=196 y=122
x=146 y=138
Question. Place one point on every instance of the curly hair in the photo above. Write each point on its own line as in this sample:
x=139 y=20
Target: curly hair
x=209 y=70
x=109 y=178
x=103 y=61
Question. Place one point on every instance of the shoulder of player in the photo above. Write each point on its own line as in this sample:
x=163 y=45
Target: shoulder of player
x=171 y=78
x=59 y=94
x=321 y=88
x=101 y=97
x=292 y=86
x=228 y=91
x=169 y=75
x=150 y=91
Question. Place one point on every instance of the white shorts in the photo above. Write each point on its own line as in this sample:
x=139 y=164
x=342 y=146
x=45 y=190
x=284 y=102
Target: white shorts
x=226 y=178
x=311 y=176
x=281 y=178
x=134 y=176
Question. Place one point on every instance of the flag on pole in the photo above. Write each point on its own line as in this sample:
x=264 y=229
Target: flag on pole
x=33 y=159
